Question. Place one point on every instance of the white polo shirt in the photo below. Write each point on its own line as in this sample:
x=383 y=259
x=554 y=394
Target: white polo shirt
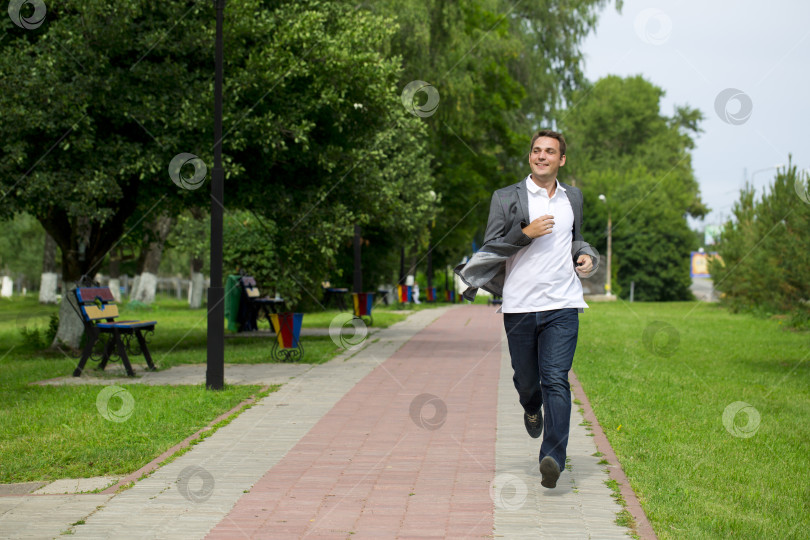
x=541 y=276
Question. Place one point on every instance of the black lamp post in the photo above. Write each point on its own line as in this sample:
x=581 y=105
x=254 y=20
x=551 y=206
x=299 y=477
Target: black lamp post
x=215 y=369
x=357 y=284
x=433 y=198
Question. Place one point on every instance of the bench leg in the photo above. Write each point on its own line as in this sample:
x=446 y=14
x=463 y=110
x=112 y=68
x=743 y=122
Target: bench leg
x=107 y=352
x=145 y=350
x=92 y=337
x=266 y=312
x=122 y=352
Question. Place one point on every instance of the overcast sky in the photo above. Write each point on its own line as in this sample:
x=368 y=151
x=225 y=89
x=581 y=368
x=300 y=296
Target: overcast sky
x=696 y=50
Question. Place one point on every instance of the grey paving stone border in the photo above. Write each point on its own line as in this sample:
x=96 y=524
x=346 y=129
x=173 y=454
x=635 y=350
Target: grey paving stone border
x=579 y=507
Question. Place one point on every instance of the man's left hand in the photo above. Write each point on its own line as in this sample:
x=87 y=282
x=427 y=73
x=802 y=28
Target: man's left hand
x=584 y=264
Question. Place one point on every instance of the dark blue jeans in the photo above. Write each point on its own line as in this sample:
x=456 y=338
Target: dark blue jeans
x=542 y=346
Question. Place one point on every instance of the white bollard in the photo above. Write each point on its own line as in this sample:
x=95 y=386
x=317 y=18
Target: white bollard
x=7 y=287
x=115 y=288
x=195 y=290
x=47 y=288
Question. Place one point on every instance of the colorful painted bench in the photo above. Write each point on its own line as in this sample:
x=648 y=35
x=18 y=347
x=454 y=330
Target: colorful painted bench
x=335 y=296
x=98 y=310
x=257 y=306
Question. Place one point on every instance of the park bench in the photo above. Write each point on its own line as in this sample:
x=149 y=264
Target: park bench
x=335 y=296
x=98 y=311
x=383 y=293
x=255 y=305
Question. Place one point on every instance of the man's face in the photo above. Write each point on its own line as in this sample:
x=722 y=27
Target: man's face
x=545 y=159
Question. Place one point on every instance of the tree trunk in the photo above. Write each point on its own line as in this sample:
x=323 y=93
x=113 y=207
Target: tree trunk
x=75 y=267
x=136 y=282
x=402 y=265
x=115 y=274
x=47 y=284
x=71 y=326
x=195 y=288
x=147 y=285
x=414 y=259
x=7 y=287
x=84 y=245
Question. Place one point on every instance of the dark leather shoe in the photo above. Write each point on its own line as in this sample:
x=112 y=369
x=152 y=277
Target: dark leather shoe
x=534 y=423
x=550 y=472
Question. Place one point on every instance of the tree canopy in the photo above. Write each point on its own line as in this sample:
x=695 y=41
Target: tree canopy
x=315 y=139
x=102 y=96
x=764 y=249
x=620 y=145
x=502 y=69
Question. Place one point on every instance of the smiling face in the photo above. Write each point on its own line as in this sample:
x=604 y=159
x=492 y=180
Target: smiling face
x=545 y=158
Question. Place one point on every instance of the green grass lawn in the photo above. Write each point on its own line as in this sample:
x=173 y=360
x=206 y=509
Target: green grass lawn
x=57 y=432
x=661 y=400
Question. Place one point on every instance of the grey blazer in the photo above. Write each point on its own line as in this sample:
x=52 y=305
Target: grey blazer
x=508 y=215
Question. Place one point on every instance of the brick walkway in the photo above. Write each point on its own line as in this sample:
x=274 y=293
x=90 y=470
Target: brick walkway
x=419 y=435
x=408 y=452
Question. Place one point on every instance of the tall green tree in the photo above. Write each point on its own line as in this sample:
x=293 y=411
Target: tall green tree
x=21 y=248
x=100 y=98
x=622 y=146
x=501 y=70
x=765 y=249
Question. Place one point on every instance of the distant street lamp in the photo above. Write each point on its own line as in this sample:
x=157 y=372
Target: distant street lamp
x=609 y=246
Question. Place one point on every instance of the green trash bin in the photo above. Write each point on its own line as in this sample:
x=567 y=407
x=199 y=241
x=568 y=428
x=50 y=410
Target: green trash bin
x=233 y=293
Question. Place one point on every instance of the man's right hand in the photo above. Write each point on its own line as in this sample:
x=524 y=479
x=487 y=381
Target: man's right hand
x=539 y=227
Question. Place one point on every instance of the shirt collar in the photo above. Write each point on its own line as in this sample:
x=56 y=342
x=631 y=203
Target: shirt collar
x=534 y=188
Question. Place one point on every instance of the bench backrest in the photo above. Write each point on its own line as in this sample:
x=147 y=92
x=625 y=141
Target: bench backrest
x=96 y=303
x=249 y=284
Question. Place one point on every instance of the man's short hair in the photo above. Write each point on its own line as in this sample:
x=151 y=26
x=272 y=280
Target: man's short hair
x=553 y=135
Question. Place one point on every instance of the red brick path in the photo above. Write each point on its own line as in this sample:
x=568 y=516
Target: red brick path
x=373 y=468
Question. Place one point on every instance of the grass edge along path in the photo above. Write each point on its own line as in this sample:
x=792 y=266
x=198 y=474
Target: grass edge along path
x=707 y=412
x=639 y=524
x=182 y=447
x=68 y=437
